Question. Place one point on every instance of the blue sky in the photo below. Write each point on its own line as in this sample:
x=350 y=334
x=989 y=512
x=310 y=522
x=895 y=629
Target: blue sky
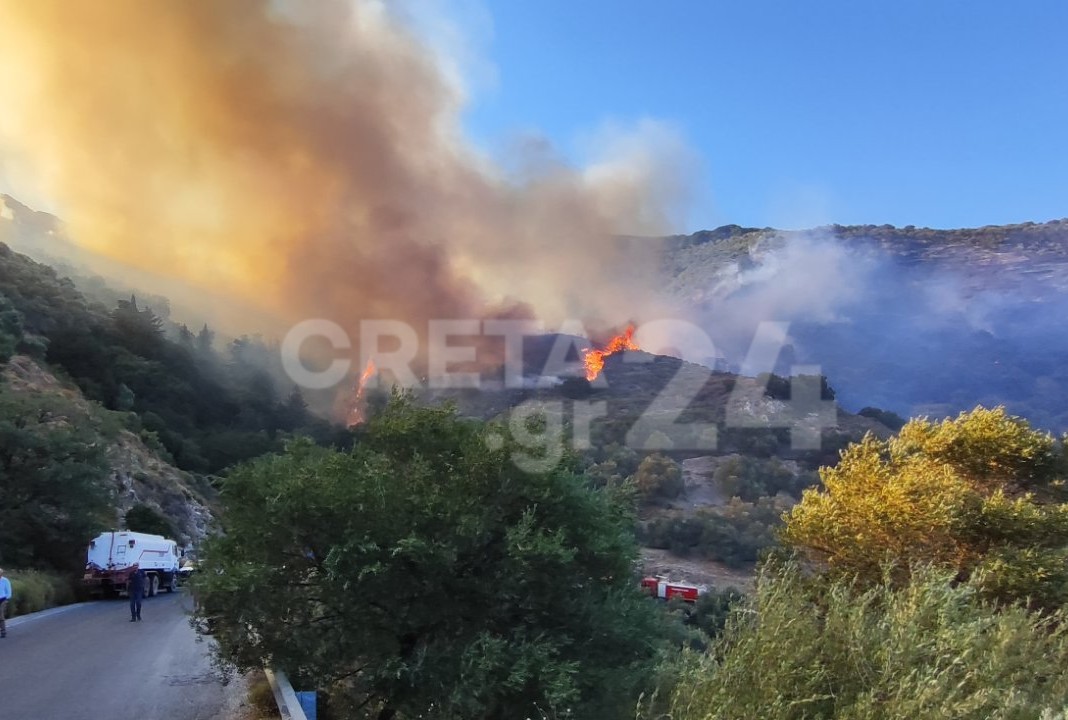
x=941 y=113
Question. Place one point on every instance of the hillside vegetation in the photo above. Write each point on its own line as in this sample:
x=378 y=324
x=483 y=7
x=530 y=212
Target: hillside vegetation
x=928 y=580
x=103 y=410
x=661 y=415
x=913 y=320
x=204 y=409
x=466 y=587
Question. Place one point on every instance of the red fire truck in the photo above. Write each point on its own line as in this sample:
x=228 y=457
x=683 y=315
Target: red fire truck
x=666 y=589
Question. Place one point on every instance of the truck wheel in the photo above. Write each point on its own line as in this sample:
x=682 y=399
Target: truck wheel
x=153 y=586
x=172 y=586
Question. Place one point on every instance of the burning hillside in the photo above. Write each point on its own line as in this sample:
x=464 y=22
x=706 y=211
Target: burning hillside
x=593 y=359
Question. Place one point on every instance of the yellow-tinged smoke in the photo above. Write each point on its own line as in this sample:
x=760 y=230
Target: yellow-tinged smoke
x=305 y=159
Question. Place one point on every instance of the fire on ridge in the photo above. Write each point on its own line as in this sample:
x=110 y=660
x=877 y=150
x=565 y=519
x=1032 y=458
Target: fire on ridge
x=593 y=359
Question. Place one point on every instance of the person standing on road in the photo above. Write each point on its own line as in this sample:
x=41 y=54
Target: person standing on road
x=136 y=590
x=5 y=595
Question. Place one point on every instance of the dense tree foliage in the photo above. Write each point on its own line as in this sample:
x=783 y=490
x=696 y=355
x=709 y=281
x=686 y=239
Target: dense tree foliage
x=978 y=494
x=930 y=649
x=10 y=329
x=206 y=408
x=736 y=533
x=711 y=611
x=145 y=519
x=744 y=525
x=53 y=482
x=751 y=479
x=424 y=574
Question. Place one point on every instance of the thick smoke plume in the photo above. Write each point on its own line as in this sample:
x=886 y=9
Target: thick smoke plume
x=306 y=159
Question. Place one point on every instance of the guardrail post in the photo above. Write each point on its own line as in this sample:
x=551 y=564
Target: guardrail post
x=308 y=700
x=288 y=705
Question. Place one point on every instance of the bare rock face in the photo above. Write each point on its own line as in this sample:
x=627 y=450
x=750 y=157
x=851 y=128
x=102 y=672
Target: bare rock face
x=140 y=475
x=23 y=374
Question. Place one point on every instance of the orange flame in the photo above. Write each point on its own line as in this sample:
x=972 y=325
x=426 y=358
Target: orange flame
x=594 y=359
x=356 y=413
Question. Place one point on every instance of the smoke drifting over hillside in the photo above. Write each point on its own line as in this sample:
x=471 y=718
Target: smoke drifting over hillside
x=812 y=278
x=306 y=158
x=933 y=337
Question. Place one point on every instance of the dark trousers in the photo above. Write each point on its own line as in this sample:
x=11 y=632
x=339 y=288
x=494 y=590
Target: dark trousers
x=135 y=605
x=3 y=614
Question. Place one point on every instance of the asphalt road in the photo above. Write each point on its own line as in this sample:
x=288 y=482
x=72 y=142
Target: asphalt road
x=88 y=661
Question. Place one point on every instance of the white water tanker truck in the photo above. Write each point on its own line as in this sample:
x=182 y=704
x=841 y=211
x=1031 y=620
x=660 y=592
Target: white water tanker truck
x=113 y=556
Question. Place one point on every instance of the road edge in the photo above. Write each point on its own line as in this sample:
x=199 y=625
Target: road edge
x=30 y=617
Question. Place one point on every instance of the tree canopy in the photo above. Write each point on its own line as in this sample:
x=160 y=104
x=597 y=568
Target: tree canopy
x=53 y=483
x=978 y=494
x=146 y=519
x=427 y=575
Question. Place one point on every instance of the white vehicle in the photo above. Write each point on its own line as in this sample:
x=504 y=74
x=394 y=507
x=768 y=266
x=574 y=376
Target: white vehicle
x=186 y=570
x=113 y=556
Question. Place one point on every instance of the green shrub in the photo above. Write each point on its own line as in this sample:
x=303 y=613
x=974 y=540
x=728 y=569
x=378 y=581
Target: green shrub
x=931 y=649
x=736 y=534
x=711 y=611
x=34 y=590
x=659 y=477
x=752 y=478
